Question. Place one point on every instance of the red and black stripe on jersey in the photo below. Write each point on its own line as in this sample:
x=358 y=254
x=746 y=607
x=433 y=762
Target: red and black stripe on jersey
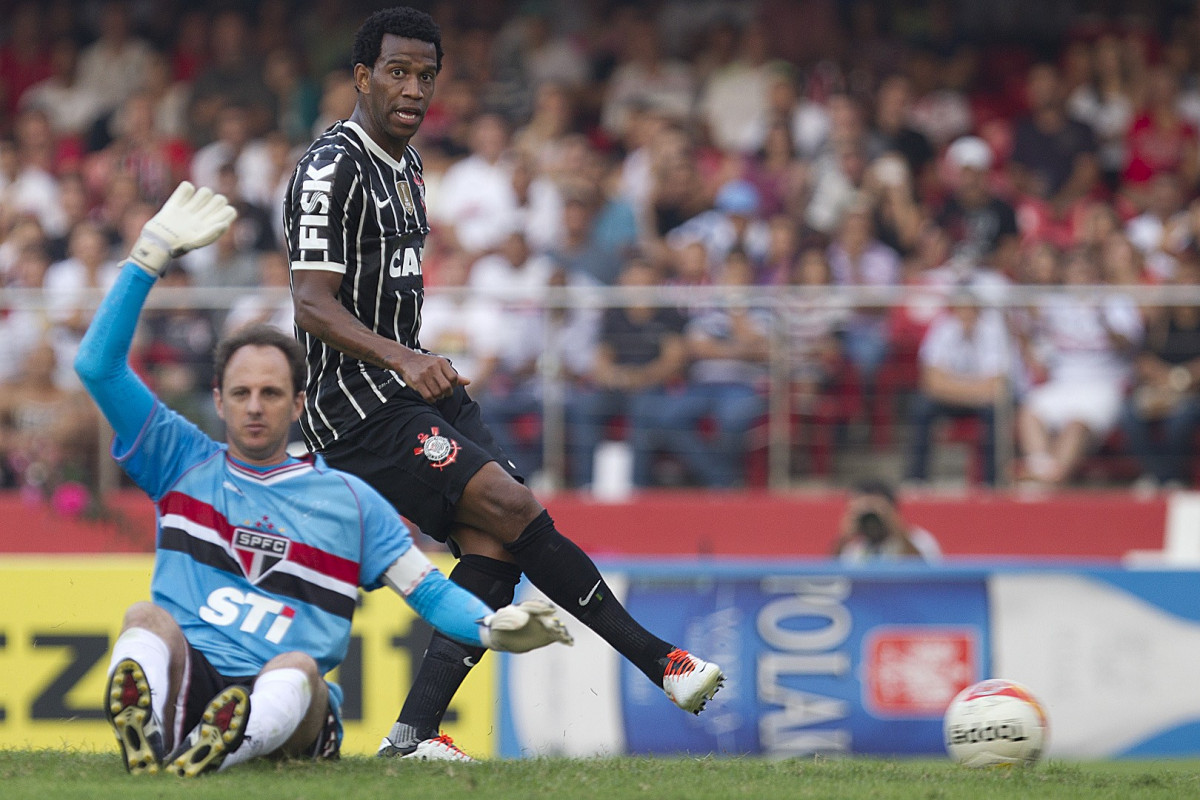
x=353 y=209
x=308 y=574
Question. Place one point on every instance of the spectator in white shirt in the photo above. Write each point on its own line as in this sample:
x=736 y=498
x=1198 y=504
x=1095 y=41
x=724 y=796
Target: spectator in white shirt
x=965 y=358
x=26 y=189
x=1161 y=231
x=733 y=99
x=514 y=400
x=250 y=157
x=66 y=284
x=69 y=103
x=1084 y=345
x=114 y=66
x=645 y=77
x=269 y=303
x=476 y=199
x=465 y=327
x=514 y=274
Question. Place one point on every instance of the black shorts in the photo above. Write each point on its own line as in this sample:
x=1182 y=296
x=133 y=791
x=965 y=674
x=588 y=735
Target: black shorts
x=202 y=682
x=421 y=456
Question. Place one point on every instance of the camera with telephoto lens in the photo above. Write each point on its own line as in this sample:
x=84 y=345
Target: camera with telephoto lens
x=870 y=526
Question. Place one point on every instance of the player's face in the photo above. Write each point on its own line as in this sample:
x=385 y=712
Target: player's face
x=395 y=93
x=258 y=404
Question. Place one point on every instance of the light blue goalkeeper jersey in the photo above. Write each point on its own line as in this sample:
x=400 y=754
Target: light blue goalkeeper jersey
x=255 y=563
x=252 y=562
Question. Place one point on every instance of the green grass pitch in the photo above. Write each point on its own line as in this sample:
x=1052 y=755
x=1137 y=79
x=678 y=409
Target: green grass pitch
x=62 y=775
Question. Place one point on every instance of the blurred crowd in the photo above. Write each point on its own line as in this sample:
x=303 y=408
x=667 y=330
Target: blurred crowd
x=782 y=151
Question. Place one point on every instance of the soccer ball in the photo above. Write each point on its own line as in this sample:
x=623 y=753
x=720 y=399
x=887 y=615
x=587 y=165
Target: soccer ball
x=995 y=723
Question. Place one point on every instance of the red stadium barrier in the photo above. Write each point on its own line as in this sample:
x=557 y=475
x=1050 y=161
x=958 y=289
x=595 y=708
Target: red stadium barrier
x=755 y=524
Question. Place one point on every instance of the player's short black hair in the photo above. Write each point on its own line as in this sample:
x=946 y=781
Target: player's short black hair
x=402 y=21
x=262 y=336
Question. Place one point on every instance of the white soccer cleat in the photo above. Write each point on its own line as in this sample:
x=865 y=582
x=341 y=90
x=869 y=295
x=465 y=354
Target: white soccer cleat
x=689 y=681
x=128 y=711
x=439 y=748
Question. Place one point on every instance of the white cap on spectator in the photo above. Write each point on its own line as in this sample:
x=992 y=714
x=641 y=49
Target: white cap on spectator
x=970 y=152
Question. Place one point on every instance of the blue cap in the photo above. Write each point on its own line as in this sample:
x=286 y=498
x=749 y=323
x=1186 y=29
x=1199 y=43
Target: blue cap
x=738 y=197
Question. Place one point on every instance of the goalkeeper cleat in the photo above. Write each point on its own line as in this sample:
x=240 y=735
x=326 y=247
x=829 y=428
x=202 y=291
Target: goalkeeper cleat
x=689 y=681
x=132 y=718
x=219 y=733
x=439 y=748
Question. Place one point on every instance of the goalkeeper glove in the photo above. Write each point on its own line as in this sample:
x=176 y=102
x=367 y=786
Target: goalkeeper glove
x=523 y=627
x=189 y=219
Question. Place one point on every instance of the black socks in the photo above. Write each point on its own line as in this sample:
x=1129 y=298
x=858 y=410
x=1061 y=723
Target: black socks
x=566 y=574
x=447 y=662
x=561 y=570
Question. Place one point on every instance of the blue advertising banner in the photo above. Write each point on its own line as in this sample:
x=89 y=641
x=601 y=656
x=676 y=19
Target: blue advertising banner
x=824 y=663
x=817 y=660
x=821 y=658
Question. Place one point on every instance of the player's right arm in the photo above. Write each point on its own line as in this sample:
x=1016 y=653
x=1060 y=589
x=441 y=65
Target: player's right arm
x=320 y=313
x=325 y=200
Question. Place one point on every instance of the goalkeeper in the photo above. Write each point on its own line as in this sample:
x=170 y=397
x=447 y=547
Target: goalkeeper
x=259 y=554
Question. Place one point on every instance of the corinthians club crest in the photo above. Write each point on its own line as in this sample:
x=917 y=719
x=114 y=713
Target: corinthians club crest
x=440 y=451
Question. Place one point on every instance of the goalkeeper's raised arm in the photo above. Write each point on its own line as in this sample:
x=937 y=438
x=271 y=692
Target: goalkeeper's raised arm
x=189 y=219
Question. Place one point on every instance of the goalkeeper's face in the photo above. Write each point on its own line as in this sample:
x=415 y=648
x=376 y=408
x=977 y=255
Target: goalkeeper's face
x=258 y=404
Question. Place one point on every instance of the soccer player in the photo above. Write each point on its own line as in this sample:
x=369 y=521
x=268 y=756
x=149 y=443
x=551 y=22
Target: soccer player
x=259 y=554
x=382 y=408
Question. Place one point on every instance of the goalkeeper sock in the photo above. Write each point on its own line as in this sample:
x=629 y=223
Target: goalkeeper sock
x=280 y=700
x=151 y=652
x=566 y=574
x=447 y=662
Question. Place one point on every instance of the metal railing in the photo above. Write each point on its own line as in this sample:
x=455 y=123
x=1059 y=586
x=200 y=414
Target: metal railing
x=780 y=301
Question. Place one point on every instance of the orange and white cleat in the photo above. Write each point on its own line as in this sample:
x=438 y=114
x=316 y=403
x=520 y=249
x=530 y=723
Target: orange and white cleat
x=438 y=749
x=689 y=681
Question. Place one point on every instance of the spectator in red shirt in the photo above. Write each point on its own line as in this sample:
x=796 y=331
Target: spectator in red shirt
x=1160 y=140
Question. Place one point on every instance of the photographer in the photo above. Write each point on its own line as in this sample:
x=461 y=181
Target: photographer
x=873 y=529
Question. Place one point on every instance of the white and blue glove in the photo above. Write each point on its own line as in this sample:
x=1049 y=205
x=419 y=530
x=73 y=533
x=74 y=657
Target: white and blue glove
x=190 y=218
x=523 y=627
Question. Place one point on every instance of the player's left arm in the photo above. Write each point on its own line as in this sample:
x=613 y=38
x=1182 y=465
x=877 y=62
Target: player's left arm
x=463 y=616
x=391 y=559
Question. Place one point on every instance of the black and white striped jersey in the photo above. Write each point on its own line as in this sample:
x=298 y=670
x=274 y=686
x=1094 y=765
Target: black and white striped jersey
x=353 y=209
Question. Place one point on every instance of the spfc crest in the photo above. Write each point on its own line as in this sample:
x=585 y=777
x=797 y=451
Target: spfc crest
x=259 y=552
x=406 y=197
x=440 y=451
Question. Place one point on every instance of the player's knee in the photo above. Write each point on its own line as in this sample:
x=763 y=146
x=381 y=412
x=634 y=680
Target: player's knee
x=498 y=506
x=145 y=614
x=516 y=504
x=295 y=660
